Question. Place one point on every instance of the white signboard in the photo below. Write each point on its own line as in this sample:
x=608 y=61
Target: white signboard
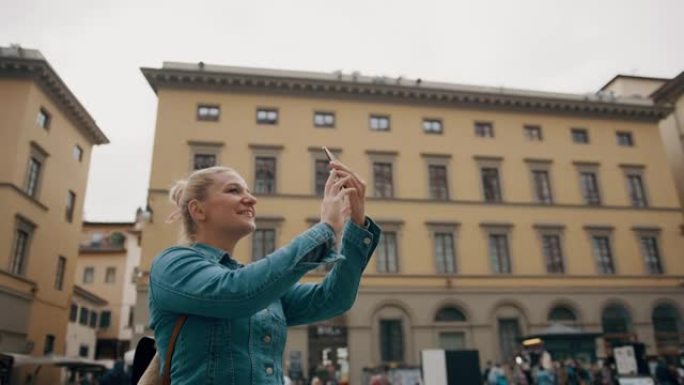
x=635 y=381
x=625 y=360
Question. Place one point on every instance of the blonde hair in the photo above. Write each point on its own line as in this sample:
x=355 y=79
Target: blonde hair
x=196 y=186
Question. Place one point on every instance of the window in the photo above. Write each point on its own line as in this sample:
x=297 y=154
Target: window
x=34 y=169
x=208 y=112
x=509 y=333
x=321 y=173
x=324 y=119
x=77 y=153
x=625 y=139
x=201 y=161
x=73 y=312
x=105 y=319
x=450 y=314
x=93 y=319
x=445 y=257
x=379 y=123
x=667 y=327
x=651 y=253
x=110 y=275
x=616 y=320
x=43 y=119
x=490 y=184
x=439 y=186
x=88 y=274
x=603 y=254
x=432 y=126
x=452 y=340
x=49 y=346
x=263 y=243
x=636 y=190
x=59 y=276
x=391 y=340
x=499 y=254
x=562 y=314
x=533 y=133
x=83 y=351
x=580 y=135
x=265 y=175
x=382 y=180
x=20 y=249
x=204 y=154
x=387 y=258
x=553 y=253
x=590 y=188
x=83 y=317
x=70 y=203
x=267 y=116
x=484 y=130
x=542 y=186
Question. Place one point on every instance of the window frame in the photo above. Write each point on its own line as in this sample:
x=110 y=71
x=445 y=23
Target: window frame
x=266 y=224
x=486 y=162
x=70 y=206
x=110 y=275
x=427 y=124
x=443 y=228
x=589 y=168
x=496 y=229
x=594 y=232
x=318 y=155
x=533 y=132
x=540 y=165
x=546 y=230
x=60 y=272
x=620 y=135
x=208 y=117
x=380 y=157
x=77 y=153
x=654 y=233
x=266 y=120
x=46 y=121
x=87 y=269
x=575 y=131
x=484 y=129
x=378 y=118
x=32 y=185
x=324 y=114
x=204 y=148
x=18 y=265
x=638 y=171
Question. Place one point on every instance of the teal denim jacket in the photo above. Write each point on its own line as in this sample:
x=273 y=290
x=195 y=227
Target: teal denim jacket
x=238 y=315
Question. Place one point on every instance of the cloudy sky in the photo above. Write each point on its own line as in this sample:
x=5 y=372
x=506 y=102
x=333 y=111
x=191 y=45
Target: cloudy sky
x=97 y=47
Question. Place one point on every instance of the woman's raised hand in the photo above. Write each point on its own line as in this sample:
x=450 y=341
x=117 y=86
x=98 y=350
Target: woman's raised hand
x=356 y=197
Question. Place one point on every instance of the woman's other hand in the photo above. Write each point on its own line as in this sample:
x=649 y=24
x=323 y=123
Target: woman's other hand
x=357 y=193
x=333 y=207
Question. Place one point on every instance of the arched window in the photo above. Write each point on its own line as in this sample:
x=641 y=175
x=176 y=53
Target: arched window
x=667 y=325
x=562 y=314
x=616 y=320
x=450 y=314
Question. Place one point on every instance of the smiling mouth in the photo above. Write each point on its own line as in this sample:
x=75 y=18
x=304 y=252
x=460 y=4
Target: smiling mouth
x=247 y=213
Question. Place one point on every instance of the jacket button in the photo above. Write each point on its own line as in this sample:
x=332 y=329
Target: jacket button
x=367 y=241
x=269 y=370
x=267 y=339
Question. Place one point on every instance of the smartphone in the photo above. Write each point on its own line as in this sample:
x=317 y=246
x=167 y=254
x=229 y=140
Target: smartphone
x=329 y=154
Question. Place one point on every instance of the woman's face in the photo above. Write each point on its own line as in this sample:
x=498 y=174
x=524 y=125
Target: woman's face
x=229 y=207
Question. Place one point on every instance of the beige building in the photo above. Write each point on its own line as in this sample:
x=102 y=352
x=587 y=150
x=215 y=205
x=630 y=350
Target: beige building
x=504 y=211
x=107 y=264
x=664 y=92
x=81 y=337
x=46 y=141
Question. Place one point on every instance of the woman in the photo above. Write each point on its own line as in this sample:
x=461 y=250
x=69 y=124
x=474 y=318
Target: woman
x=238 y=315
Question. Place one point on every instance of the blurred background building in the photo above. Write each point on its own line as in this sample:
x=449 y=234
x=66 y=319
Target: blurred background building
x=46 y=141
x=505 y=212
x=107 y=265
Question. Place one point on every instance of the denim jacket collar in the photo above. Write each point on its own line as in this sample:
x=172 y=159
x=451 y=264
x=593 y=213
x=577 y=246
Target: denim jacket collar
x=212 y=253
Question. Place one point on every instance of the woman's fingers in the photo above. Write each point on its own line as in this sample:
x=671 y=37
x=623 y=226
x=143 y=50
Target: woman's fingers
x=330 y=182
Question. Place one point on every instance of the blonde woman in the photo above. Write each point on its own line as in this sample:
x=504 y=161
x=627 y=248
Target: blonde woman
x=238 y=314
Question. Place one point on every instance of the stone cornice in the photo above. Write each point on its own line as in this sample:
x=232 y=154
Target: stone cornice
x=42 y=73
x=234 y=79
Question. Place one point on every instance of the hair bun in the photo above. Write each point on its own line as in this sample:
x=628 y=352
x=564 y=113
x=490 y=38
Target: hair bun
x=176 y=192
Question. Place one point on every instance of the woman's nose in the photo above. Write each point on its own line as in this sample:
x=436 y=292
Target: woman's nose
x=251 y=199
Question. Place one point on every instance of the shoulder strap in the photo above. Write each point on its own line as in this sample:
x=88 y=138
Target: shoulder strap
x=166 y=378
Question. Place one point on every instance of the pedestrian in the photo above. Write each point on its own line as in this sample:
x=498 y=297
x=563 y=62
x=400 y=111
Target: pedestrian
x=238 y=314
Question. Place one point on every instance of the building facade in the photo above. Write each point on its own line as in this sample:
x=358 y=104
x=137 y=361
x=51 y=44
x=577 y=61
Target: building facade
x=107 y=266
x=503 y=211
x=47 y=138
x=84 y=312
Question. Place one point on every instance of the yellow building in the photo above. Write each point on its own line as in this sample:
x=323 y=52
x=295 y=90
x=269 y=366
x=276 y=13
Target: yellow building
x=107 y=265
x=664 y=92
x=503 y=210
x=46 y=141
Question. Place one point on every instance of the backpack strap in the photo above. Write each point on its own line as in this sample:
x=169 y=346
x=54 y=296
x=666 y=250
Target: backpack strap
x=166 y=378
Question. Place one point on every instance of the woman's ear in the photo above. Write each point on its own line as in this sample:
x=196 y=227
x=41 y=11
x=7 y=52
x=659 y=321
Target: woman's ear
x=196 y=210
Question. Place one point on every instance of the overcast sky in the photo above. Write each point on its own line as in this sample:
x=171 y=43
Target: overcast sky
x=97 y=47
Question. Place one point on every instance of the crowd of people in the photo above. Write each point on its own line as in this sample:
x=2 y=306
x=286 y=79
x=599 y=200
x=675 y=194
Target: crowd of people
x=574 y=372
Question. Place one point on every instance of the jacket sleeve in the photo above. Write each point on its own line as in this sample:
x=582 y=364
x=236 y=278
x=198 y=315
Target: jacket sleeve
x=306 y=303
x=184 y=281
